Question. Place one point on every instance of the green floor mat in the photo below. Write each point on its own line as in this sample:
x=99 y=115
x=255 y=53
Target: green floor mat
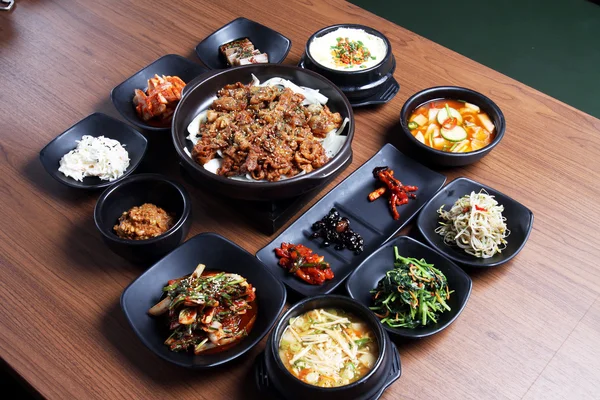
x=551 y=45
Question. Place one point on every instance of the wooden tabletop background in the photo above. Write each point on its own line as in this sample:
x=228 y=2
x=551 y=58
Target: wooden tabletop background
x=530 y=330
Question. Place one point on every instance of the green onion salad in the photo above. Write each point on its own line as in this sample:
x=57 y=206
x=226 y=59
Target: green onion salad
x=412 y=294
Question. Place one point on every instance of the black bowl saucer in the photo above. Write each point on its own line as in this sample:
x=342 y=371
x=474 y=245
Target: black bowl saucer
x=375 y=93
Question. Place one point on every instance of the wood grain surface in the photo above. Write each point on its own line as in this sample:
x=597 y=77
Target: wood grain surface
x=530 y=330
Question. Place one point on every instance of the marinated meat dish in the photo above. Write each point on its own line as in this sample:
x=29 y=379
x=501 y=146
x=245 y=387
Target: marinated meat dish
x=398 y=193
x=160 y=99
x=143 y=222
x=306 y=265
x=242 y=52
x=264 y=132
x=207 y=311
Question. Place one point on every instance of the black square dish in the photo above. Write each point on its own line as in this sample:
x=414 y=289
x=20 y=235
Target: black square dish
x=519 y=220
x=372 y=269
x=372 y=220
x=217 y=253
x=95 y=125
x=170 y=64
x=263 y=38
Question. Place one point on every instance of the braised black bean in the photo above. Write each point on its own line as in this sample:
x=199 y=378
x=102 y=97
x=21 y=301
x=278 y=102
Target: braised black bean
x=335 y=229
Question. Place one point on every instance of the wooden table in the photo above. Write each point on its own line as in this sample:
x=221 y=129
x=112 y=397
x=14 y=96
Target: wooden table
x=530 y=330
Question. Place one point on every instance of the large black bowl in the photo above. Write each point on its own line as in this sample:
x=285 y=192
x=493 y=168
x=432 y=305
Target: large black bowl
x=95 y=125
x=519 y=220
x=199 y=94
x=360 y=84
x=218 y=254
x=366 y=276
x=135 y=191
x=432 y=156
x=368 y=387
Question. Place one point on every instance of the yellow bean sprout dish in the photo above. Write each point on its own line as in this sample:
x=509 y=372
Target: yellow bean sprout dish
x=328 y=348
x=475 y=224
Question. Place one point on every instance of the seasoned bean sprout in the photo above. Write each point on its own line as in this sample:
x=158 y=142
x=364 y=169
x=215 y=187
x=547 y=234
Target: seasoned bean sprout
x=475 y=224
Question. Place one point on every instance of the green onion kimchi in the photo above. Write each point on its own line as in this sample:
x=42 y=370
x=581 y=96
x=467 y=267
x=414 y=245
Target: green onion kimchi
x=207 y=311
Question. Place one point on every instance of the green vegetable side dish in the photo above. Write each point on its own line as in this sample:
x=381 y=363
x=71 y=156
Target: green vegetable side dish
x=412 y=294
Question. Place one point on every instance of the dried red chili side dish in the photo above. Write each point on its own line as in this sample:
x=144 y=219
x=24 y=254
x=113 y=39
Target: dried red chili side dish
x=306 y=265
x=399 y=193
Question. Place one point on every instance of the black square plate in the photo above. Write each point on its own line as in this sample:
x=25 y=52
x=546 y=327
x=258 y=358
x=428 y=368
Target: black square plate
x=372 y=269
x=170 y=64
x=519 y=220
x=372 y=220
x=263 y=38
x=217 y=253
x=95 y=125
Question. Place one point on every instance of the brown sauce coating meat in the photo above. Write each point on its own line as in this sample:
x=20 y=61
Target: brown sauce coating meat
x=265 y=132
x=143 y=222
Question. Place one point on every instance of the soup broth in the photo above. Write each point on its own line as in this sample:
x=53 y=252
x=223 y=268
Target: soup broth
x=452 y=126
x=328 y=348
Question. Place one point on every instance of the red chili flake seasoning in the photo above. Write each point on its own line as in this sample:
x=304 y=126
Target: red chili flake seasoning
x=399 y=193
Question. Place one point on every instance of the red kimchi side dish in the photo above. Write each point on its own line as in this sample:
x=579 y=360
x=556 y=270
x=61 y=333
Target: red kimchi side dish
x=157 y=104
x=207 y=312
x=306 y=265
x=397 y=192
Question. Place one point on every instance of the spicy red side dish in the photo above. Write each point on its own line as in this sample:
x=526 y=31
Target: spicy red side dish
x=399 y=193
x=158 y=103
x=306 y=265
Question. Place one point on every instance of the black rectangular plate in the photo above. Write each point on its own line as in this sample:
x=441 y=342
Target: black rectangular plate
x=269 y=216
x=373 y=220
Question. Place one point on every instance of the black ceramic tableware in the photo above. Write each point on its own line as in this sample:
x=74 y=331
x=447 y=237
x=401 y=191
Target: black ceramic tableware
x=372 y=220
x=433 y=156
x=519 y=220
x=135 y=191
x=369 y=86
x=198 y=96
x=263 y=38
x=95 y=125
x=218 y=254
x=170 y=65
x=366 y=276
x=272 y=376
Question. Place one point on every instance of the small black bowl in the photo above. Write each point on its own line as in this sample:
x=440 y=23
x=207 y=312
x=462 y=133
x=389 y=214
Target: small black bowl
x=374 y=85
x=263 y=38
x=95 y=125
x=519 y=220
x=429 y=155
x=369 y=387
x=170 y=64
x=366 y=276
x=135 y=191
x=217 y=253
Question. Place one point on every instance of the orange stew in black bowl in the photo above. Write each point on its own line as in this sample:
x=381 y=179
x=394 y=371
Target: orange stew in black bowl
x=452 y=125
